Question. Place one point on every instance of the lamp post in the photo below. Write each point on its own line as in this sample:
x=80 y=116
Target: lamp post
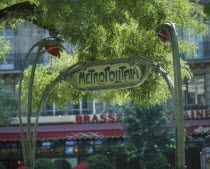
x=28 y=140
x=167 y=34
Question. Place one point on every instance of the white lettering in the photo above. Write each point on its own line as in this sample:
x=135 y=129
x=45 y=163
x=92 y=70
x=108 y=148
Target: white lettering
x=201 y=129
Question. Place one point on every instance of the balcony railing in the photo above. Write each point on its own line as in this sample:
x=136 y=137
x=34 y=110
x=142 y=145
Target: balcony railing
x=15 y=61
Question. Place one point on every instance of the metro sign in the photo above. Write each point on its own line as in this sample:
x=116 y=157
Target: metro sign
x=105 y=75
x=109 y=74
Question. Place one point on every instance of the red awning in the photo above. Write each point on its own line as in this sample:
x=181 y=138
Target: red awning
x=198 y=127
x=66 y=131
x=92 y=130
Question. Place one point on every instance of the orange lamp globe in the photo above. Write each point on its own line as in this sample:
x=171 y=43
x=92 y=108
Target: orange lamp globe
x=164 y=37
x=52 y=50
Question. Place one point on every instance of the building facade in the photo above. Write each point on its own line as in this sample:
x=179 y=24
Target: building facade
x=196 y=101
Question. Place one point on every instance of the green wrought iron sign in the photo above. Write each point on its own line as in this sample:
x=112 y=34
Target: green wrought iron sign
x=88 y=76
x=109 y=74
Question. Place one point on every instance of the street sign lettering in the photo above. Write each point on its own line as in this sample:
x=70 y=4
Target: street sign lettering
x=108 y=74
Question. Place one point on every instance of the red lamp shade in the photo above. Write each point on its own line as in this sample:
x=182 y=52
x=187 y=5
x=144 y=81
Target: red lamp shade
x=52 y=50
x=164 y=37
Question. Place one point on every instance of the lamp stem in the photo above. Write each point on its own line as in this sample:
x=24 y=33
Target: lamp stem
x=178 y=103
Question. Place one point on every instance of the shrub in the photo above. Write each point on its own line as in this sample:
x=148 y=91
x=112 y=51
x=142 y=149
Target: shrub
x=2 y=166
x=44 y=163
x=62 y=164
x=99 y=161
x=158 y=161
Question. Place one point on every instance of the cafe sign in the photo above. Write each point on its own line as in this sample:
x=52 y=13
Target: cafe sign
x=109 y=74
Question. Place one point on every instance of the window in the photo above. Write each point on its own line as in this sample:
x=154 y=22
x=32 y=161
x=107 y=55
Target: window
x=10 y=148
x=70 y=150
x=206 y=44
x=52 y=110
x=71 y=147
x=68 y=109
x=82 y=107
x=57 y=146
x=88 y=149
x=45 y=147
x=199 y=40
x=196 y=90
x=70 y=143
x=86 y=146
x=8 y=61
x=9 y=36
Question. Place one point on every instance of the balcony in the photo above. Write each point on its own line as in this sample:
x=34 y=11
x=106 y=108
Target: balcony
x=203 y=52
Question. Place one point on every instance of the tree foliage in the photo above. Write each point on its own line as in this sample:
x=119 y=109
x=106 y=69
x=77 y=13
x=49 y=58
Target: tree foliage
x=45 y=74
x=147 y=133
x=43 y=163
x=5 y=47
x=159 y=161
x=115 y=29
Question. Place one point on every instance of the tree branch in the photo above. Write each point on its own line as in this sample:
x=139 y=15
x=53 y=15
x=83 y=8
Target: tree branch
x=19 y=7
x=24 y=10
